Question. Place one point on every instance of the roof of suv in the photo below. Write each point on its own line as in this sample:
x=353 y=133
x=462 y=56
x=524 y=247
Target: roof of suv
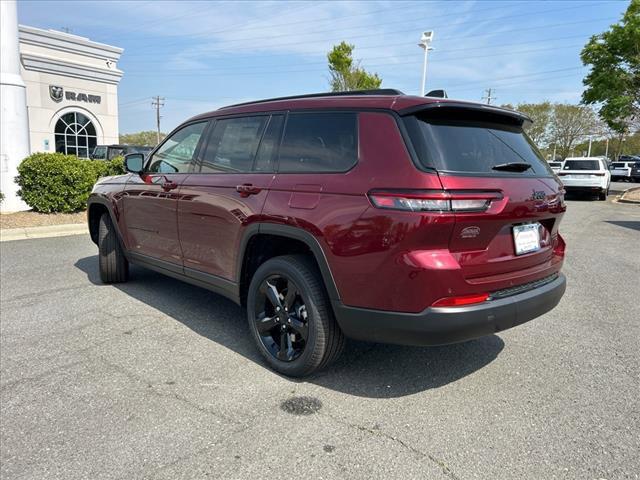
x=386 y=99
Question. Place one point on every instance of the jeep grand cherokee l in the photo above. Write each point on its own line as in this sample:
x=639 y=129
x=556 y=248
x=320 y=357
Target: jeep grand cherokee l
x=372 y=215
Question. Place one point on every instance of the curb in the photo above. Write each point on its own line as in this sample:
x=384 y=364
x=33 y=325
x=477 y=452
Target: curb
x=621 y=199
x=11 y=234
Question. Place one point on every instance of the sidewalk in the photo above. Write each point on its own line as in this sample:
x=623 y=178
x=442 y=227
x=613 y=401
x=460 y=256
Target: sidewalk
x=631 y=195
x=9 y=234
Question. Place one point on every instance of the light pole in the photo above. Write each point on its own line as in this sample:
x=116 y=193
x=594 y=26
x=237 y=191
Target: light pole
x=425 y=44
x=589 y=153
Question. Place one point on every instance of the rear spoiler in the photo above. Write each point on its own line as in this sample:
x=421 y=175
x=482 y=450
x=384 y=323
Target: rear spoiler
x=516 y=118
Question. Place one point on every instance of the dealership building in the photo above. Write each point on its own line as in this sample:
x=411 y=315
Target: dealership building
x=59 y=94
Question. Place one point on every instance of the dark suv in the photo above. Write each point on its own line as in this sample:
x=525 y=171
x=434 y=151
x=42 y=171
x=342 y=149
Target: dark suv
x=372 y=215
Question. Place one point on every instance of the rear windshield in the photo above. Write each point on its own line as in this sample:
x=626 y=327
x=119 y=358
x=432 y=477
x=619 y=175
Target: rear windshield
x=618 y=165
x=581 y=165
x=472 y=145
x=555 y=164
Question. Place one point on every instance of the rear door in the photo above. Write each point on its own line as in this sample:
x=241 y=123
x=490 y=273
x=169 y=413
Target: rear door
x=227 y=192
x=151 y=199
x=488 y=152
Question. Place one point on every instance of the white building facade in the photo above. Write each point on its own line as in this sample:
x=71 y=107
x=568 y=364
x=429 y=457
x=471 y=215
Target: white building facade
x=72 y=91
x=59 y=94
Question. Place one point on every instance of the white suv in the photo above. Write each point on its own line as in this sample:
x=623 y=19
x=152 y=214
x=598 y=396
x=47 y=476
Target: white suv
x=586 y=174
x=621 y=170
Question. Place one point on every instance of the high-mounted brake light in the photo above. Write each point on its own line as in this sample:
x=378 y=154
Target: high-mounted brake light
x=461 y=301
x=433 y=200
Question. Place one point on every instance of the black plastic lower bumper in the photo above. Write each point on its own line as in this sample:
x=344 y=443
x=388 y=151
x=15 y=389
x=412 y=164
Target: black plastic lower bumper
x=439 y=326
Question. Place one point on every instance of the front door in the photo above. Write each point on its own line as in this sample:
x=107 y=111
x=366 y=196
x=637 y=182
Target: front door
x=151 y=198
x=227 y=193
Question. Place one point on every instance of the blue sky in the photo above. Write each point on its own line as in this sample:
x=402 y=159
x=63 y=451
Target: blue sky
x=201 y=55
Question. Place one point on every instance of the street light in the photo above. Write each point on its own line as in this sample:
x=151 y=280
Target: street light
x=425 y=43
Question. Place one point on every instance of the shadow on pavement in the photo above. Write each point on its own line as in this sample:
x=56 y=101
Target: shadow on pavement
x=633 y=225
x=365 y=369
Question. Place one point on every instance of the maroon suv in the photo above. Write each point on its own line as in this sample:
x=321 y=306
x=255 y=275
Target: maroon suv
x=372 y=215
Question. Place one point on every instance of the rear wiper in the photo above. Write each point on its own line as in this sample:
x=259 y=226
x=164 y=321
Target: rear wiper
x=512 y=167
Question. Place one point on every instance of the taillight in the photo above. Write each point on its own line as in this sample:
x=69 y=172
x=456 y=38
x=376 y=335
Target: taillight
x=461 y=301
x=433 y=200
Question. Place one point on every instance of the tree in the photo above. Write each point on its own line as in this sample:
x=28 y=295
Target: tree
x=570 y=123
x=614 y=79
x=541 y=114
x=141 y=138
x=346 y=74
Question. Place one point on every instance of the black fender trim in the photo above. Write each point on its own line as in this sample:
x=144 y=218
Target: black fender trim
x=296 y=234
x=98 y=200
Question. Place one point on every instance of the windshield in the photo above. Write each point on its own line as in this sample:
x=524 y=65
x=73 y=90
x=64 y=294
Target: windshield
x=100 y=153
x=581 y=165
x=473 y=146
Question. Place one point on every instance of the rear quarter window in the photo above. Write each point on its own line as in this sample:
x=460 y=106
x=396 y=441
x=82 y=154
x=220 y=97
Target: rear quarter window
x=319 y=142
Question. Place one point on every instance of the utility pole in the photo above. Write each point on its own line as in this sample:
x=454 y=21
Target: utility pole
x=488 y=96
x=158 y=102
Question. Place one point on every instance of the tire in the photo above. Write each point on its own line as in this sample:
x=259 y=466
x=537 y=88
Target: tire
x=114 y=267
x=603 y=194
x=308 y=307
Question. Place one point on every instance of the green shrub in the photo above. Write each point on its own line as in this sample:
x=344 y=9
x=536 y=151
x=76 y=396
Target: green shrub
x=53 y=182
x=115 y=166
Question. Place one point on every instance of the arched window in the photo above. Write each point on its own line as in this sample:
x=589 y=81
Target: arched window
x=75 y=135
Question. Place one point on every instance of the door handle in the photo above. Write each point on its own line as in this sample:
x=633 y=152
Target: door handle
x=247 y=189
x=169 y=185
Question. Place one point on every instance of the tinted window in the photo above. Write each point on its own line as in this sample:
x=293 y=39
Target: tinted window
x=319 y=142
x=269 y=145
x=618 y=165
x=581 y=165
x=473 y=146
x=176 y=153
x=555 y=164
x=99 y=153
x=233 y=144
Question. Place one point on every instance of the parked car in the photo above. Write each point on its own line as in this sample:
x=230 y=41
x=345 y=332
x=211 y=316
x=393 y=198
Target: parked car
x=586 y=174
x=109 y=152
x=621 y=171
x=555 y=166
x=372 y=215
x=635 y=171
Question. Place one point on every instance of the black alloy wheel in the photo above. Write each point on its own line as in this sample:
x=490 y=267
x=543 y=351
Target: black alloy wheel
x=281 y=318
x=290 y=316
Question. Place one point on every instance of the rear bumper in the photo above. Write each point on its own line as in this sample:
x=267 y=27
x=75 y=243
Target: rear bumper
x=439 y=326
x=584 y=184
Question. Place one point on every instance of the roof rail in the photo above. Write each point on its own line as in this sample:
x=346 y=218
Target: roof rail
x=377 y=91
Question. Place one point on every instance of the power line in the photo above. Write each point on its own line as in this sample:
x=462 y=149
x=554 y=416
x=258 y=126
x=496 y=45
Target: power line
x=183 y=72
x=208 y=34
x=140 y=51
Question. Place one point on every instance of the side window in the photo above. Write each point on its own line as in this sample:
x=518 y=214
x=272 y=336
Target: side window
x=265 y=157
x=319 y=142
x=176 y=153
x=233 y=144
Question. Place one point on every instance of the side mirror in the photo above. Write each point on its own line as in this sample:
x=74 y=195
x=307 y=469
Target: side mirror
x=134 y=162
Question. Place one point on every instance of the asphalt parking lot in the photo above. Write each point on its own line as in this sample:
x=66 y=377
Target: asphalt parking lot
x=159 y=379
